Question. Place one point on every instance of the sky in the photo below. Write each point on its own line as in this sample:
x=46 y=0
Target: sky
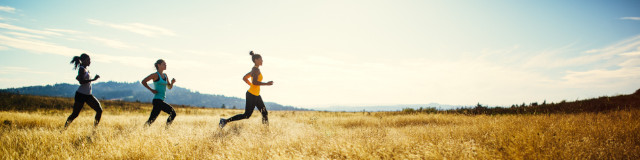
x=336 y=53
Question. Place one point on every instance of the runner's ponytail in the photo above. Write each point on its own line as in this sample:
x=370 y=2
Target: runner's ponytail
x=77 y=60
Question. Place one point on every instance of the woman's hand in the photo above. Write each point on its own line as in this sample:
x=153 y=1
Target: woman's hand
x=170 y=85
x=154 y=91
x=96 y=77
x=270 y=83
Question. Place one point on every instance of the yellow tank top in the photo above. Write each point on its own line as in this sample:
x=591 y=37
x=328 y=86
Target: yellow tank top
x=255 y=89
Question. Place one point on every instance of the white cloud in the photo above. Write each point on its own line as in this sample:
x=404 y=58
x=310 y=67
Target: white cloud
x=161 y=50
x=139 y=28
x=608 y=67
x=493 y=77
x=7 y=9
x=592 y=51
x=112 y=43
x=609 y=55
x=635 y=62
x=200 y=53
x=104 y=59
x=95 y=22
x=64 y=31
x=208 y=54
x=8 y=19
x=549 y=59
x=603 y=78
x=24 y=35
x=627 y=69
x=563 y=72
x=43 y=47
x=623 y=46
x=397 y=80
x=147 y=62
x=17 y=28
x=125 y=60
x=636 y=53
x=631 y=18
x=20 y=70
x=38 y=46
x=632 y=53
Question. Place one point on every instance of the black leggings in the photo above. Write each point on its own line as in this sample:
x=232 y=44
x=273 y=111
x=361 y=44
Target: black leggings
x=160 y=105
x=252 y=101
x=80 y=99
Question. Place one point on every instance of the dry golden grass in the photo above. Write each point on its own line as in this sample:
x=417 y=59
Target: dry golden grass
x=320 y=135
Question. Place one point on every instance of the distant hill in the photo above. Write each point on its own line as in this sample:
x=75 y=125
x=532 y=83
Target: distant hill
x=135 y=92
x=594 y=105
x=398 y=107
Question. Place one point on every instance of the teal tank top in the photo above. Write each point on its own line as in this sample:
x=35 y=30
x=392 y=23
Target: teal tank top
x=161 y=87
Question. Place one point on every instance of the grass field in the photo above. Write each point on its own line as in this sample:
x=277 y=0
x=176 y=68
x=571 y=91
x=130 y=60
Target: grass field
x=195 y=134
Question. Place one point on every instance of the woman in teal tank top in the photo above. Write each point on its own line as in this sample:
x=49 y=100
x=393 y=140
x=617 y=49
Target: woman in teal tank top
x=160 y=84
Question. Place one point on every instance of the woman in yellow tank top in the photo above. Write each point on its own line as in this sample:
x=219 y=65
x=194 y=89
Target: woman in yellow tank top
x=253 y=94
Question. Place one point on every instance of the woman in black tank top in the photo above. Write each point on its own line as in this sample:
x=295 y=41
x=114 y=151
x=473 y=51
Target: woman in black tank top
x=83 y=95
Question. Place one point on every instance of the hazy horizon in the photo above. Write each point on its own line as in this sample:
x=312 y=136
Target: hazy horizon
x=336 y=53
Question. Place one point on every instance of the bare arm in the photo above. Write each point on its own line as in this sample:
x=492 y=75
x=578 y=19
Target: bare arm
x=145 y=80
x=246 y=78
x=255 y=72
